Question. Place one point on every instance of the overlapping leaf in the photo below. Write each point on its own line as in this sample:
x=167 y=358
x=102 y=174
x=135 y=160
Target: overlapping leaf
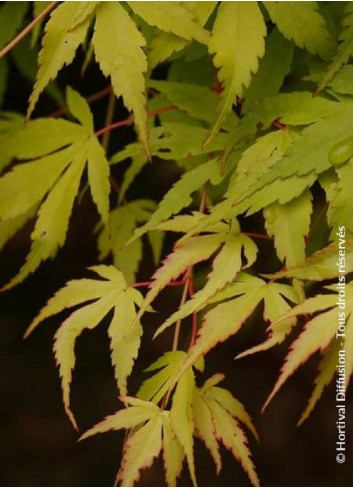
x=320 y=333
x=58 y=150
x=237 y=41
x=108 y=294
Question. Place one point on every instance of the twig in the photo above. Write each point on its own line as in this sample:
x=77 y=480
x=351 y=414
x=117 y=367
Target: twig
x=131 y=120
x=27 y=29
x=91 y=98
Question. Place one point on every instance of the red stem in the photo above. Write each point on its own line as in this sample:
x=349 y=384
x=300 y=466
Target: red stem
x=27 y=29
x=258 y=235
x=91 y=98
x=131 y=120
x=170 y=284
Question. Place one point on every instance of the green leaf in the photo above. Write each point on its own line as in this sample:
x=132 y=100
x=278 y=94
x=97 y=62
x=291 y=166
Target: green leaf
x=155 y=387
x=124 y=344
x=98 y=177
x=123 y=419
x=340 y=211
x=237 y=41
x=79 y=108
x=118 y=49
x=64 y=32
x=179 y=196
x=181 y=418
x=141 y=449
x=326 y=372
x=171 y=17
x=108 y=294
x=226 y=265
x=205 y=428
x=173 y=452
x=296 y=108
x=220 y=323
x=26 y=185
x=316 y=335
x=198 y=102
x=302 y=23
x=233 y=438
x=49 y=233
x=189 y=253
x=122 y=223
x=289 y=224
x=322 y=265
x=232 y=405
x=273 y=68
x=344 y=50
x=274 y=307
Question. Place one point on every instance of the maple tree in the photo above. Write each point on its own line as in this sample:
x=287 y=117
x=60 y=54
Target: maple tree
x=255 y=109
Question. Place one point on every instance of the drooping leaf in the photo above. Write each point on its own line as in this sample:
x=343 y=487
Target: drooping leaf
x=237 y=41
x=317 y=333
x=326 y=372
x=109 y=293
x=173 y=452
x=234 y=439
x=205 y=428
x=141 y=449
x=118 y=49
x=98 y=177
x=322 y=265
x=64 y=32
x=181 y=418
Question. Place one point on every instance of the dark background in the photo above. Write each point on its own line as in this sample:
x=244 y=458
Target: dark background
x=38 y=446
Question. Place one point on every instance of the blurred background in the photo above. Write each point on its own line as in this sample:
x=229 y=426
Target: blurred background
x=38 y=445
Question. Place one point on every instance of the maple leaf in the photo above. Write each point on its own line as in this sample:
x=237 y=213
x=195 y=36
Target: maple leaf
x=316 y=38
x=58 y=151
x=217 y=415
x=226 y=265
x=318 y=334
x=108 y=294
x=243 y=24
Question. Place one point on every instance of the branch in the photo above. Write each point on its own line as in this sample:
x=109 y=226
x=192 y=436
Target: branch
x=27 y=29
